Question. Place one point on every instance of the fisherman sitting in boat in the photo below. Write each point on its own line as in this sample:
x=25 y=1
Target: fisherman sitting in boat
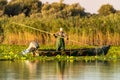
x=60 y=43
x=33 y=46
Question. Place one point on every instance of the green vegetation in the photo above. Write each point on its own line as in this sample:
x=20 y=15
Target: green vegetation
x=13 y=52
x=96 y=30
x=106 y=10
x=83 y=28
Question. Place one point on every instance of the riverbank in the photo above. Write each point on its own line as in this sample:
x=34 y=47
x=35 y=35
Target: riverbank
x=12 y=52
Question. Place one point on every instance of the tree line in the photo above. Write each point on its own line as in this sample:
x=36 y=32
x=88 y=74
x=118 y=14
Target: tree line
x=56 y=9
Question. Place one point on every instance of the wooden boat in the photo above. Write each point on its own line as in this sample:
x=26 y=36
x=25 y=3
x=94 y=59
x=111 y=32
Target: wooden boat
x=76 y=52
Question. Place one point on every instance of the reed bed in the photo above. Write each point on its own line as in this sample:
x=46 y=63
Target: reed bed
x=96 y=30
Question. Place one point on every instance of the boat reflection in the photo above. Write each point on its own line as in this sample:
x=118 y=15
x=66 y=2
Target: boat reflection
x=58 y=70
x=62 y=70
x=45 y=69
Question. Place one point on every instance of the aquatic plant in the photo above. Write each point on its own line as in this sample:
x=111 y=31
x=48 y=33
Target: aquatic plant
x=13 y=52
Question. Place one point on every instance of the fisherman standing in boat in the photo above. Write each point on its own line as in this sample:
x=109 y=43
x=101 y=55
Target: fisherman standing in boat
x=60 y=43
x=33 y=46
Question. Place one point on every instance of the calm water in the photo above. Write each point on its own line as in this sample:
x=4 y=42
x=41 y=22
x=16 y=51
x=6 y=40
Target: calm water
x=53 y=70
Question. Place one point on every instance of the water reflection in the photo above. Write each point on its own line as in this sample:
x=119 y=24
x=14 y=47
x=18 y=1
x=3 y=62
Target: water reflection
x=59 y=70
x=32 y=67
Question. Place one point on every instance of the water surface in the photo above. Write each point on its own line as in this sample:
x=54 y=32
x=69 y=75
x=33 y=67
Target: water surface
x=54 y=70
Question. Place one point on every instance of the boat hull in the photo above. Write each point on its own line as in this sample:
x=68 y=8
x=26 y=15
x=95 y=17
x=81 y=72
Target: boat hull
x=76 y=52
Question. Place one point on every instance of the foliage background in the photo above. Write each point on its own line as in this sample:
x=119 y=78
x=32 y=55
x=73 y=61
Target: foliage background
x=83 y=28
